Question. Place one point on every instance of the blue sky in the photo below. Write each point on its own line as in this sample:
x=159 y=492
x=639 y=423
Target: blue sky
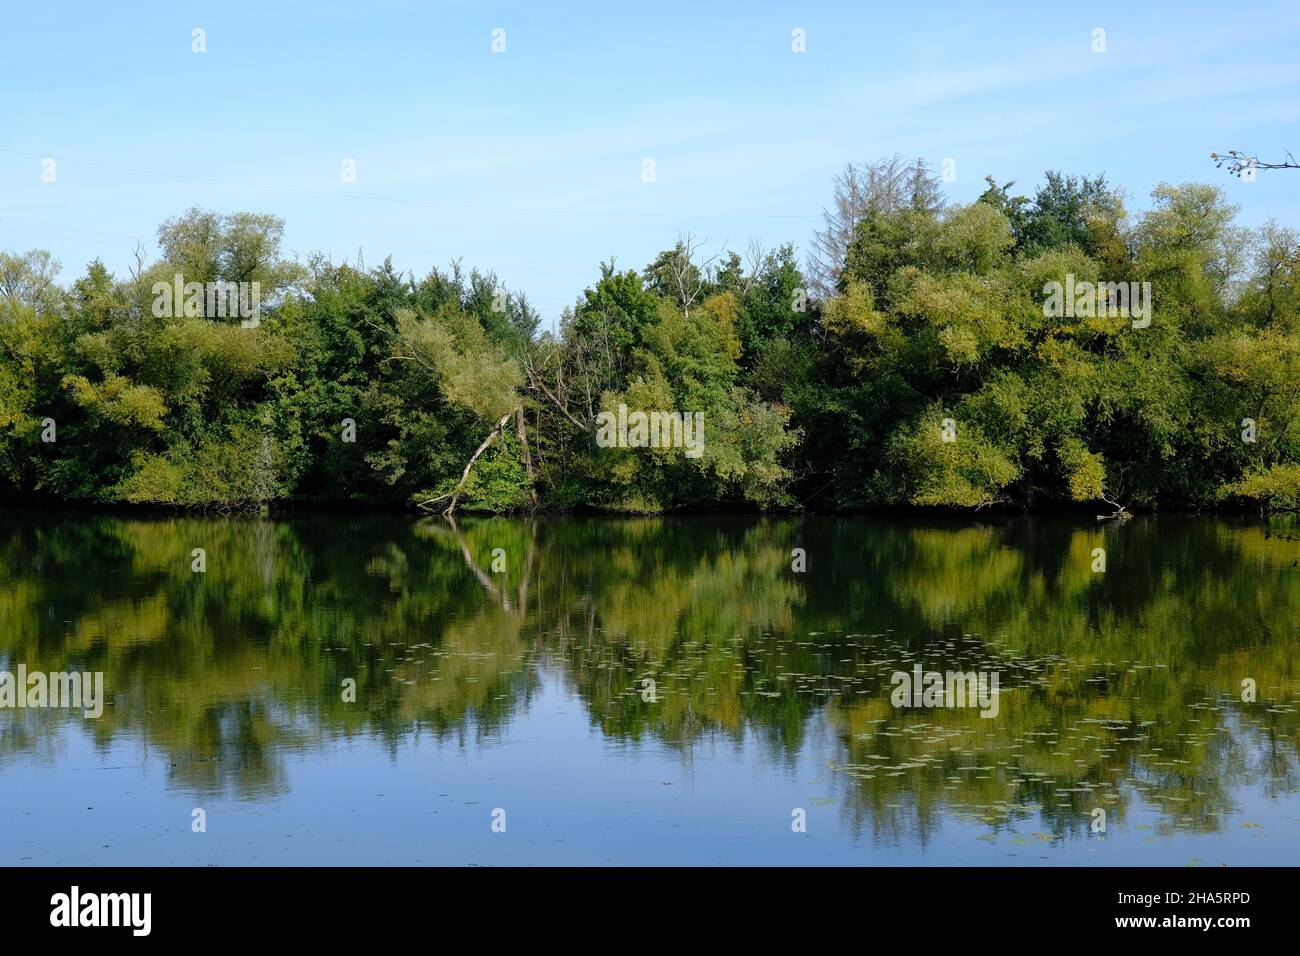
x=529 y=162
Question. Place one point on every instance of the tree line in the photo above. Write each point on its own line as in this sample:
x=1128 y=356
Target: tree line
x=913 y=360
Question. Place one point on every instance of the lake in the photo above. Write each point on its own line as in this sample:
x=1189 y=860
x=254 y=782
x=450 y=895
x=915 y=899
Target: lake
x=342 y=689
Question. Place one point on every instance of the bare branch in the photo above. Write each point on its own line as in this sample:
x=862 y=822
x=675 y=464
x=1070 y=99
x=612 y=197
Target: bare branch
x=464 y=477
x=1239 y=162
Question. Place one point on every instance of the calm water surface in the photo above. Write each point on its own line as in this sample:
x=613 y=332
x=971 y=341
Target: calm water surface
x=515 y=680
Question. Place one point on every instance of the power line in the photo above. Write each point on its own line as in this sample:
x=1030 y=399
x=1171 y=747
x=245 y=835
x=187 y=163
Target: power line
x=411 y=202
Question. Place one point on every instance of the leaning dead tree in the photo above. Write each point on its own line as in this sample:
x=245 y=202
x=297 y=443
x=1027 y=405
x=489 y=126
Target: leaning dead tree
x=406 y=351
x=1121 y=513
x=455 y=493
x=1239 y=162
x=537 y=368
x=498 y=430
